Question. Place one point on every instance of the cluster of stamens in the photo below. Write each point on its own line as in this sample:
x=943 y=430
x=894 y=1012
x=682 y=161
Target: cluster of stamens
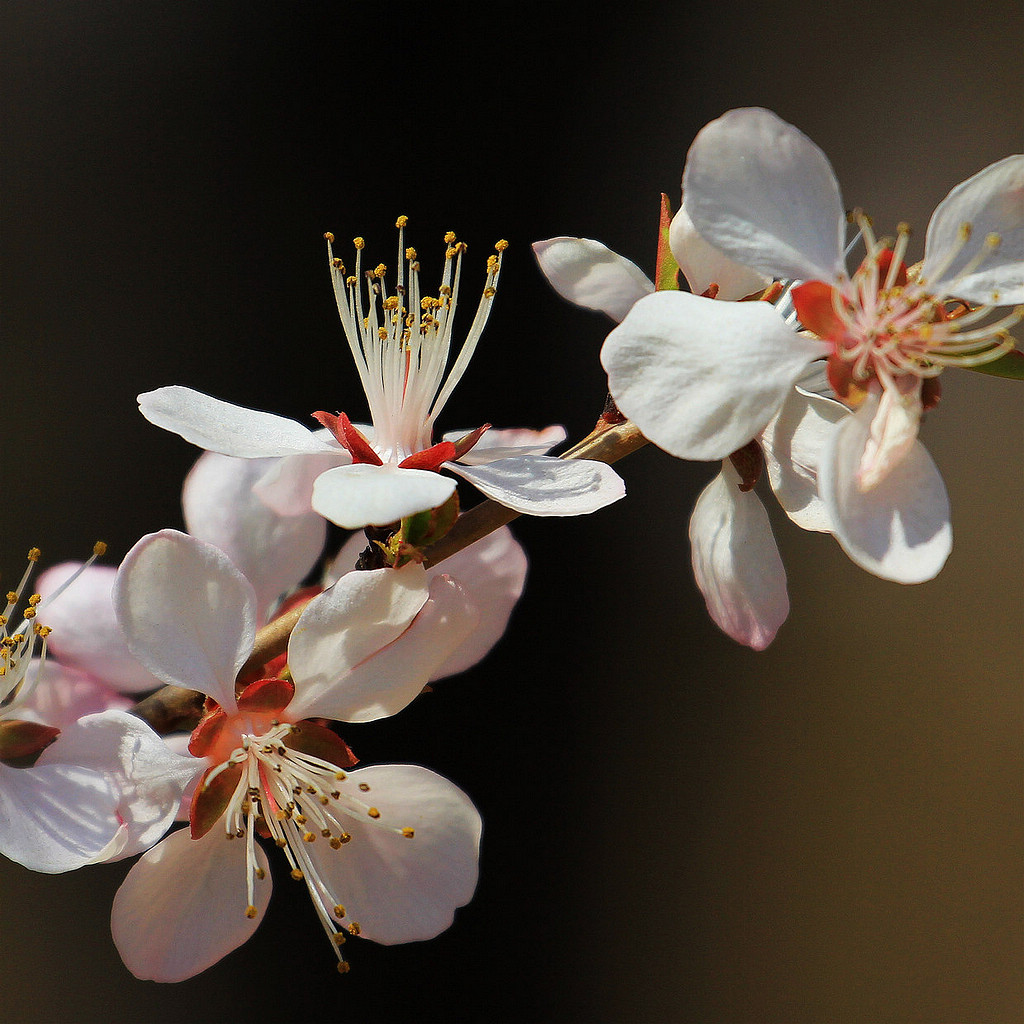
x=18 y=647
x=895 y=324
x=401 y=340
x=296 y=799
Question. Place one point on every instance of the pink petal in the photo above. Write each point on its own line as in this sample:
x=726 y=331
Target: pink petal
x=364 y=495
x=760 y=191
x=272 y=551
x=183 y=906
x=703 y=265
x=539 y=485
x=222 y=427
x=992 y=202
x=899 y=529
x=589 y=274
x=792 y=444
x=86 y=634
x=491 y=571
x=63 y=695
x=398 y=889
x=187 y=613
x=701 y=377
x=287 y=485
x=394 y=676
x=736 y=563
x=506 y=444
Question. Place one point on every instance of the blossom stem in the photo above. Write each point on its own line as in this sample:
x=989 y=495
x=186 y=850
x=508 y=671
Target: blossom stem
x=174 y=708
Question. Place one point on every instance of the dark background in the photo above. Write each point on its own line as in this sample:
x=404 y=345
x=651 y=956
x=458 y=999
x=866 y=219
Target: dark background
x=677 y=829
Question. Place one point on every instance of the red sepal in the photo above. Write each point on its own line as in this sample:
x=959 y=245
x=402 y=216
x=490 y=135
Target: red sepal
x=266 y=697
x=22 y=742
x=464 y=444
x=210 y=801
x=748 y=461
x=311 y=737
x=349 y=437
x=206 y=734
x=813 y=303
x=848 y=388
x=430 y=458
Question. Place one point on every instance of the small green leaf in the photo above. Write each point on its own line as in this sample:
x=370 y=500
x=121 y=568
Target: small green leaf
x=1010 y=366
x=666 y=271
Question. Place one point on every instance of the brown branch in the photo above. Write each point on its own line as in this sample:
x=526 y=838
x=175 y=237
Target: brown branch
x=174 y=709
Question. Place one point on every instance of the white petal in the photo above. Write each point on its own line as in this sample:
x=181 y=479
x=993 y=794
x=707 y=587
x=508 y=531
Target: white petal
x=893 y=432
x=700 y=377
x=364 y=495
x=492 y=571
x=287 y=485
x=540 y=485
x=341 y=628
x=792 y=444
x=703 y=265
x=86 y=634
x=591 y=275
x=505 y=444
x=399 y=889
x=187 y=613
x=765 y=195
x=222 y=427
x=182 y=906
x=55 y=817
x=272 y=551
x=149 y=779
x=736 y=563
x=899 y=530
x=391 y=678
x=992 y=202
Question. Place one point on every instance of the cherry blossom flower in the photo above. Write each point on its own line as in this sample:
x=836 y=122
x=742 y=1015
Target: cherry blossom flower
x=736 y=563
x=701 y=378
x=81 y=781
x=401 y=342
x=388 y=852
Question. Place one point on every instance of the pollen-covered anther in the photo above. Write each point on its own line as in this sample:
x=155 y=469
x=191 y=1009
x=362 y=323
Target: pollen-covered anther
x=364 y=787
x=339 y=910
x=359 y=243
x=344 y=967
x=329 y=236
x=354 y=929
x=373 y=812
x=251 y=911
x=408 y=832
x=402 y=221
x=297 y=875
x=501 y=244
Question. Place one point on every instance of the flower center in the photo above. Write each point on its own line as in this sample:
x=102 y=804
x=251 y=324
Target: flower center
x=401 y=341
x=277 y=784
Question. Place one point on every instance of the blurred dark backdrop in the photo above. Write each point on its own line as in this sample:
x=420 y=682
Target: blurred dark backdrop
x=677 y=829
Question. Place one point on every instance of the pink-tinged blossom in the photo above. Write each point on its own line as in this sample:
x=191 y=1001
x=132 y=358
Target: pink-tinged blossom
x=700 y=377
x=81 y=781
x=402 y=344
x=736 y=562
x=388 y=852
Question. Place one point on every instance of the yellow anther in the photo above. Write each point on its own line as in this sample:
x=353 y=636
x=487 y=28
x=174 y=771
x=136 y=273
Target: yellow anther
x=993 y=240
x=343 y=967
x=382 y=333
x=309 y=837
x=364 y=787
x=11 y=597
x=261 y=874
x=964 y=231
x=339 y=910
x=99 y=548
x=329 y=236
x=492 y=264
x=34 y=554
x=351 y=280
x=359 y=243
x=335 y=843
x=408 y=832
x=354 y=929
x=445 y=290
x=449 y=237
x=379 y=271
x=297 y=874
x=339 y=939
x=43 y=631
x=373 y=812
x=30 y=613
x=501 y=245
x=451 y=252
x=410 y=253
x=251 y=911
x=35 y=599
x=489 y=292
x=340 y=776
x=391 y=302
x=402 y=221
x=338 y=265
x=903 y=228
x=345 y=837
